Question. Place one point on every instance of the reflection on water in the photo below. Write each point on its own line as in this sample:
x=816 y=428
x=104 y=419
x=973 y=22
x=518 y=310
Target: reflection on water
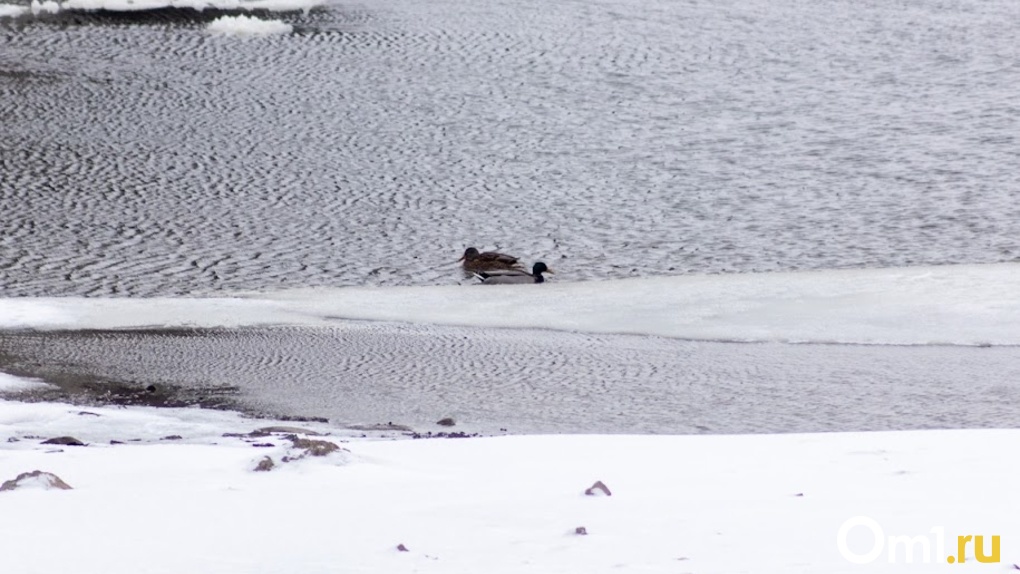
x=141 y=155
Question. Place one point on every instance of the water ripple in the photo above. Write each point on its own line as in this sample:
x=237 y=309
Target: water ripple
x=142 y=156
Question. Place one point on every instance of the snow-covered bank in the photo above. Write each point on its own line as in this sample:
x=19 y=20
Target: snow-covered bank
x=757 y=503
x=952 y=305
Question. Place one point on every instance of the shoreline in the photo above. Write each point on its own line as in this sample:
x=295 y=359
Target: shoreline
x=707 y=504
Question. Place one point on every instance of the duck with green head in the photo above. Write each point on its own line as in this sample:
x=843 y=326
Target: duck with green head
x=514 y=276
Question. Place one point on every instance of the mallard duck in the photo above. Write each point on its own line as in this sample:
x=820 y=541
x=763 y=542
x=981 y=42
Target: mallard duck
x=513 y=276
x=489 y=260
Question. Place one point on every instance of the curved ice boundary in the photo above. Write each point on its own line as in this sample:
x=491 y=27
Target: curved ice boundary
x=944 y=305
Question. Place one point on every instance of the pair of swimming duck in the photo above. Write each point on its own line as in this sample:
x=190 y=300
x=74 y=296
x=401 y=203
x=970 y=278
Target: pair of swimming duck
x=501 y=269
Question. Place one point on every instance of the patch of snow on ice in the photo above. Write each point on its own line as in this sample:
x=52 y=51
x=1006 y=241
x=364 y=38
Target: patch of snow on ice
x=248 y=27
x=943 y=305
x=12 y=10
x=48 y=7
x=12 y=383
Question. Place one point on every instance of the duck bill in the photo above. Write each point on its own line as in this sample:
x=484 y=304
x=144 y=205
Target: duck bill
x=461 y=259
x=549 y=271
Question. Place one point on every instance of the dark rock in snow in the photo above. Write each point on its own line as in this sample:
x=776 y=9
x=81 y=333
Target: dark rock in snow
x=313 y=447
x=447 y=422
x=444 y=434
x=46 y=480
x=580 y=530
x=402 y=548
x=265 y=465
x=599 y=486
x=285 y=430
x=64 y=440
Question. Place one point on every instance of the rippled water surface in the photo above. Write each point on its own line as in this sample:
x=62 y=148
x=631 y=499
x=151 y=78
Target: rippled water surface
x=142 y=155
x=528 y=381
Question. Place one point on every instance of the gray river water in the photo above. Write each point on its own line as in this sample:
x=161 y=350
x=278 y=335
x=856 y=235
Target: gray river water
x=141 y=155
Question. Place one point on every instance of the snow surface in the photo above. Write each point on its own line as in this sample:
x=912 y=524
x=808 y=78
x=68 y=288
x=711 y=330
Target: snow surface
x=12 y=10
x=245 y=26
x=11 y=383
x=706 y=504
x=946 y=305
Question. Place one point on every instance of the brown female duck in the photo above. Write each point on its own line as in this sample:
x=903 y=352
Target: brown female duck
x=488 y=260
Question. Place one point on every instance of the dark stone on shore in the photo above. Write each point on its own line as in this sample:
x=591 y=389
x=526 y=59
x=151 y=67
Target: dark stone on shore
x=263 y=444
x=580 y=530
x=64 y=440
x=302 y=419
x=402 y=548
x=444 y=434
x=116 y=442
x=599 y=486
x=265 y=465
x=52 y=481
x=13 y=439
x=313 y=447
x=86 y=413
x=284 y=430
x=446 y=422
x=172 y=437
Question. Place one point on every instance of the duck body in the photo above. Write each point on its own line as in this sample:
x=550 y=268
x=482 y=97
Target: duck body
x=489 y=261
x=514 y=277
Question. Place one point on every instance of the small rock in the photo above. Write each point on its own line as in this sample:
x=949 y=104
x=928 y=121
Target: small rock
x=447 y=422
x=598 y=487
x=150 y=389
x=580 y=530
x=402 y=548
x=313 y=447
x=116 y=442
x=37 y=478
x=265 y=465
x=64 y=440
x=263 y=444
x=303 y=419
x=86 y=413
x=13 y=439
x=172 y=437
x=286 y=430
x=799 y=494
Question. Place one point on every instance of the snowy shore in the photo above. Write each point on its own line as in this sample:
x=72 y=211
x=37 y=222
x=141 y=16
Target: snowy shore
x=706 y=504
x=176 y=490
